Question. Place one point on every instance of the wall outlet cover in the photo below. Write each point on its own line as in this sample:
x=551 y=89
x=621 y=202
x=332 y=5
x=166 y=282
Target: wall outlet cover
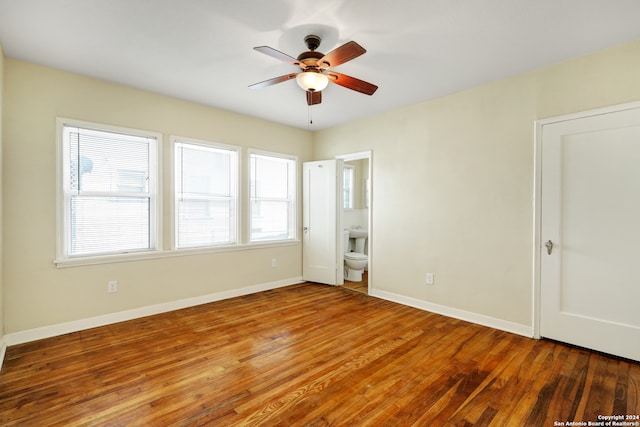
x=112 y=286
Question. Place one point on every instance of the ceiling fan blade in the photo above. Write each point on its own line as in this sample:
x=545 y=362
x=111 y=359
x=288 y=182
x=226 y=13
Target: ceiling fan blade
x=340 y=55
x=277 y=54
x=314 y=98
x=352 y=83
x=273 y=81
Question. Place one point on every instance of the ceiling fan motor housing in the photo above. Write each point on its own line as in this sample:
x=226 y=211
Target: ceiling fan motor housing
x=310 y=58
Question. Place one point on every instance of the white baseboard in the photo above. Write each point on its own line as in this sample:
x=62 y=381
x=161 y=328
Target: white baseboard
x=3 y=350
x=107 y=319
x=480 y=319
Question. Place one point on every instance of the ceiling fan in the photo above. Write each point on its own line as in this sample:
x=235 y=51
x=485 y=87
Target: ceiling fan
x=315 y=67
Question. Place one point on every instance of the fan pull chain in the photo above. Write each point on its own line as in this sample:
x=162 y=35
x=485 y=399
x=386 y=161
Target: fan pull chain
x=310 y=114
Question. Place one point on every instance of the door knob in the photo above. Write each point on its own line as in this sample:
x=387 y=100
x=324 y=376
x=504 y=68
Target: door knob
x=549 y=246
x=305 y=229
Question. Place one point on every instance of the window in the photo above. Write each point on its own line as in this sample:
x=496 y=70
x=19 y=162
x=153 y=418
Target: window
x=347 y=193
x=109 y=187
x=273 y=193
x=205 y=195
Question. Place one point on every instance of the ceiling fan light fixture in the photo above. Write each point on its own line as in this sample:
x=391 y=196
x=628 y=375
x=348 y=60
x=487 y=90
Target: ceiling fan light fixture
x=313 y=81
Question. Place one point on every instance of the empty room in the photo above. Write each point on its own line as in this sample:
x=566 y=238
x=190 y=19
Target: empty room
x=298 y=213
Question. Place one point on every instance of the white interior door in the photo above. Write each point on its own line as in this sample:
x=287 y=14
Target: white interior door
x=590 y=232
x=322 y=257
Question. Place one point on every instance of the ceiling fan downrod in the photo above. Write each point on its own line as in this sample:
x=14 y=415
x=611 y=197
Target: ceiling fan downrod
x=312 y=42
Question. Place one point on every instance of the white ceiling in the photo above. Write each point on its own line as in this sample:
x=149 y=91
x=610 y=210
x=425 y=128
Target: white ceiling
x=201 y=50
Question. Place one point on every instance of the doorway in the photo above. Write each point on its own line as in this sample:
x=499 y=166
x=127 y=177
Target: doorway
x=356 y=210
x=587 y=248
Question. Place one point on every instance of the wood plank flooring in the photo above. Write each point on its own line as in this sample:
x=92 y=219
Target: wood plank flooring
x=308 y=355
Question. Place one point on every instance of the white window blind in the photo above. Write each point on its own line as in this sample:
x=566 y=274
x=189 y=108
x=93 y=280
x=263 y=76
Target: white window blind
x=109 y=187
x=205 y=195
x=347 y=192
x=273 y=192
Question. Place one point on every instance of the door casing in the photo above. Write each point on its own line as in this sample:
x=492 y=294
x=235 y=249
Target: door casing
x=358 y=156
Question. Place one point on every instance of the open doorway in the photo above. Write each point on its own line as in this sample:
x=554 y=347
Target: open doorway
x=356 y=219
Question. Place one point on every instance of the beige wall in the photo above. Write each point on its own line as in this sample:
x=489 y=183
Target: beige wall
x=453 y=181
x=1 y=197
x=453 y=190
x=39 y=294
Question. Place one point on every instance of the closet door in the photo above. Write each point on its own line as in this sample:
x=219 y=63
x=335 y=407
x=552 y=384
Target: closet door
x=590 y=233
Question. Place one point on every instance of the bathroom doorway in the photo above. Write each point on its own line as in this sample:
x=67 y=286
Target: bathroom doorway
x=356 y=211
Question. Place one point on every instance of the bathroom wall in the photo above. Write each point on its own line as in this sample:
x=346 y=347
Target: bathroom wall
x=37 y=293
x=354 y=218
x=453 y=182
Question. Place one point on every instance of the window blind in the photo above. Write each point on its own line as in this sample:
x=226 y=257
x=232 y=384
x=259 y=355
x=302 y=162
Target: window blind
x=347 y=192
x=109 y=187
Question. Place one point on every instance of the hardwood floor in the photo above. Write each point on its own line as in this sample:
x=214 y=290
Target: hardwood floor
x=308 y=355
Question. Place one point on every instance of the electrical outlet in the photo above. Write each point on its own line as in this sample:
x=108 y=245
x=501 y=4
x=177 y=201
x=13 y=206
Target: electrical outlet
x=274 y=262
x=429 y=278
x=112 y=286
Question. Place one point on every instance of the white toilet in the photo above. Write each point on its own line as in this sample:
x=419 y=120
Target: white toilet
x=354 y=262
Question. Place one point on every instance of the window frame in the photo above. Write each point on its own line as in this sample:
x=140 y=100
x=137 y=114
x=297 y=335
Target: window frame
x=63 y=194
x=292 y=211
x=157 y=226
x=174 y=141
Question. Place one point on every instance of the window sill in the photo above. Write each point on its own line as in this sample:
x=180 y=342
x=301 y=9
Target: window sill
x=141 y=256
